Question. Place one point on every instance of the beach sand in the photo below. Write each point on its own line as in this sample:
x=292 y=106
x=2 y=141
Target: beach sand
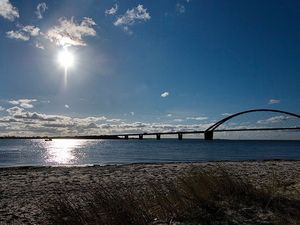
x=23 y=190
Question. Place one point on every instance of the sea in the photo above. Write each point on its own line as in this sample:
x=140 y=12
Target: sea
x=77 y=152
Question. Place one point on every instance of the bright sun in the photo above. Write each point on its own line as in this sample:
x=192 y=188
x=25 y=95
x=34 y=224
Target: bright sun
x=66 y=59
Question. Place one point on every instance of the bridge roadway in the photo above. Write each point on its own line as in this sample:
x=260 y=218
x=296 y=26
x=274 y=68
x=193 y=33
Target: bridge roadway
x=181 y=133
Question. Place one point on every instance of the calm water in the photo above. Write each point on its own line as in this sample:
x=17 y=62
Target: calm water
x=82 y=152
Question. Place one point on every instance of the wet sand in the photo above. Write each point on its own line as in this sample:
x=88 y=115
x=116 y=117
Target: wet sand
x=23 y=190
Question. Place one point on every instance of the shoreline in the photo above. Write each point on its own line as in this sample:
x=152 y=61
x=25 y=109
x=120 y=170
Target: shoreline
x=142 y=163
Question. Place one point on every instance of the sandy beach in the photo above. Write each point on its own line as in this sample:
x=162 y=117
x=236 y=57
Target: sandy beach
x=24 y=191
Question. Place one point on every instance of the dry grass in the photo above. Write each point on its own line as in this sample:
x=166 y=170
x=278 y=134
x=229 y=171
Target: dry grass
x=210 y=198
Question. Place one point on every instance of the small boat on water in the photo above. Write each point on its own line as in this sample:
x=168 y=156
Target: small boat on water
x=48 y=139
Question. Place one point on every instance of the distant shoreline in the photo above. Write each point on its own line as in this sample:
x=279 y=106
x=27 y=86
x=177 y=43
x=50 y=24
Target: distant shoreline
x=117 y=137
x=65 y=137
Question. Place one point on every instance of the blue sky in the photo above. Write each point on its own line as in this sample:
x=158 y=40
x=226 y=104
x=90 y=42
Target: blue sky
x=169 y=64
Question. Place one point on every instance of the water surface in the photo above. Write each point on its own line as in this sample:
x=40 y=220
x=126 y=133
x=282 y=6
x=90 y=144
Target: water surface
x=102 y=152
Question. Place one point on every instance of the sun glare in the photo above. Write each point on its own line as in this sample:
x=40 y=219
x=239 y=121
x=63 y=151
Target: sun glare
x=66 y=59
x=62 y=151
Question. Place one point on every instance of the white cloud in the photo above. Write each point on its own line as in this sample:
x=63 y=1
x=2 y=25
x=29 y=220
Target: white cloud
x=226 y=114
x=20 y=113
x=132 y=113
x=8 y=11
x=274 y=119
x=23 y=122
x=180 y=8
x=113 y=10
x=25 y=103
x=67 y=106
x=24 y=33
x=17 y=35
x=40 y=9
x=178 y=120
x=39 y=45
x=165 y=94
x=169 y=115
x=137 y=14
x=31 y=30
x=113 y=120
x=274 y=101
x=69 y=32
x=2 y=108
x=197 y=118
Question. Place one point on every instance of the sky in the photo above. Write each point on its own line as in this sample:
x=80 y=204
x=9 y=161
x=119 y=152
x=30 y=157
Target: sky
x=74 y=67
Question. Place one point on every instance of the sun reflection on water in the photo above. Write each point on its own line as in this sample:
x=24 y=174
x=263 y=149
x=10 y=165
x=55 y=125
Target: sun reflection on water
x=63 y=151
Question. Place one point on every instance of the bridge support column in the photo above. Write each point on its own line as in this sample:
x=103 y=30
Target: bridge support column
x=126 y=137
x=179 y=136
x=208 y=135
x=141 y=136
x=158 y=137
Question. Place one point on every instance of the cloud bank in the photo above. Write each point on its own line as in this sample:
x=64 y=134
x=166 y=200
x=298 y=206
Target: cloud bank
x=20 y=121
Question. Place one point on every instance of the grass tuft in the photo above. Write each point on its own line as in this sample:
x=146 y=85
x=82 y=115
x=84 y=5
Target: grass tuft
x=215 y=197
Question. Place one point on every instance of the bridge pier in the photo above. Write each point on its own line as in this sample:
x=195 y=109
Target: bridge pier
x=158 y=137
x=179 y=136
x=141 y=137
x=126 y=137
x=208 y=135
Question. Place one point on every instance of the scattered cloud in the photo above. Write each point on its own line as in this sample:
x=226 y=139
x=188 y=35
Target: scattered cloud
x=20 y=113
x=25 y=103
x=169 y=115
x=8 y=11
x=24 y=33
x=180 y=8
x=69 y=32
x=17 y=35
x=2 y=108
x=67 y=106
x=40 y=9
x=197 y=118
x=178 y=120
x=226 y=114
x=274 y=119
x=31 y=30
x=113 y=10
x=274 y=101
x=132 y=113
x=137 y=14
x=39 y=45
x=165 y=94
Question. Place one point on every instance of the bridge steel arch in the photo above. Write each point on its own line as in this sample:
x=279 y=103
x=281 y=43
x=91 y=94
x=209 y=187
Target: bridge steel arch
x=208 y=133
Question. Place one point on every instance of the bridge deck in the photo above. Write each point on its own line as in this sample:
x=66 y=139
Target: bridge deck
x=202 y=131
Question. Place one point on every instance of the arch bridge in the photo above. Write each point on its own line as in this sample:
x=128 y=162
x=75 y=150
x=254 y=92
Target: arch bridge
x=209 y=132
